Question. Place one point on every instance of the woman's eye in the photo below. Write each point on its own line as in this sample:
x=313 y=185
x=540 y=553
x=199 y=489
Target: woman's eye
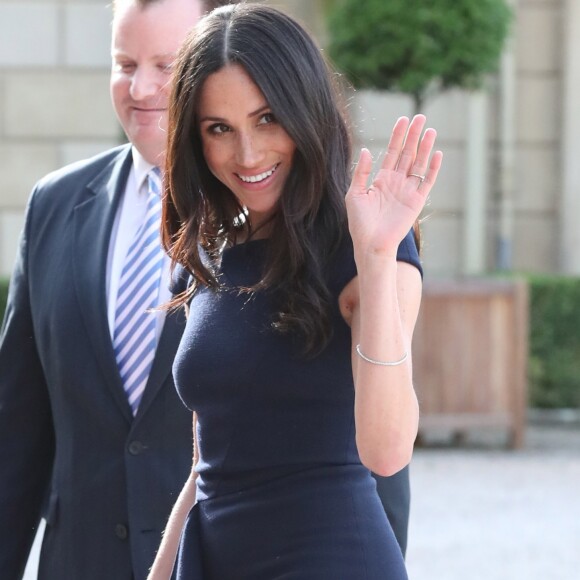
x=267 y=118
x=219 y=129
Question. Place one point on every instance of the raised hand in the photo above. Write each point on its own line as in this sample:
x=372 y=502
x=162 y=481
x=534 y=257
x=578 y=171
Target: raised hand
x=381 y=215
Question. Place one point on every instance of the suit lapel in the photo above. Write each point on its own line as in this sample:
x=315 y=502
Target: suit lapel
x=94 y=219
x=164 y=356
x=93 y=223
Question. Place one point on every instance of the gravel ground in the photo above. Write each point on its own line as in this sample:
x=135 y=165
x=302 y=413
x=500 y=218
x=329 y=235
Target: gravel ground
x=483 y=513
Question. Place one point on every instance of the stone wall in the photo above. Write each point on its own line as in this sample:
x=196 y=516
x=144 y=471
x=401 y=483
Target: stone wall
x=540 y=42
x=54 y=98
x=55 y=108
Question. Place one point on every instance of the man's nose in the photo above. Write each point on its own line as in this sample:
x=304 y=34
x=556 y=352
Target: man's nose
x=144 y=84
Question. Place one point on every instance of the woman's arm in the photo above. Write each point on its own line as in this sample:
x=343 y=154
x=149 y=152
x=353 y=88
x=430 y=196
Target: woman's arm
x=386 y=410
x=382 y=303
x=165 y=559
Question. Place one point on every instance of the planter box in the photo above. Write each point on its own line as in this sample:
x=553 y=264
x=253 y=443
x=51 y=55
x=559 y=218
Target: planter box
x=470 y=357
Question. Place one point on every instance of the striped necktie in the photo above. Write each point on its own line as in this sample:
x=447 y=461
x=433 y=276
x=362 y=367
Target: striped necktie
x=134 y=338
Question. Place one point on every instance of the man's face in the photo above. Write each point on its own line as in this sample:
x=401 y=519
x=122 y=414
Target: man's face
x=145 y=43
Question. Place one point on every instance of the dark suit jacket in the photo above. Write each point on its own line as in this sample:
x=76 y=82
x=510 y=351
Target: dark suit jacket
x=395 y=495
x=68 y=440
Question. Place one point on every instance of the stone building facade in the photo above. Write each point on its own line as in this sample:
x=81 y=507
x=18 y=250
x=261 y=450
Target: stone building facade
x=518 y=136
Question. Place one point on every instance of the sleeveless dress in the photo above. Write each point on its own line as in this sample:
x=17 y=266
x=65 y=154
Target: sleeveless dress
x=281 y=491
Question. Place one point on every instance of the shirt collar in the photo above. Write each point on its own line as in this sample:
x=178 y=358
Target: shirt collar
x=141 y=168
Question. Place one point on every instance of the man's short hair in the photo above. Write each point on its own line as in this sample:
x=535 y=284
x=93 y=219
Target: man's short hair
x=208 y=5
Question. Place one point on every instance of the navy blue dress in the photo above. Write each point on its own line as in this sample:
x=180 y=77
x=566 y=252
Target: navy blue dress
x=282 y=494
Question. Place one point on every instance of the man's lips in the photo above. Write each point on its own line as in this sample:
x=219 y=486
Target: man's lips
x=149 y=109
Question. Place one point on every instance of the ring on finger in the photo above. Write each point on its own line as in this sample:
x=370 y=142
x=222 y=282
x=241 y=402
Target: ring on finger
x=420 y=177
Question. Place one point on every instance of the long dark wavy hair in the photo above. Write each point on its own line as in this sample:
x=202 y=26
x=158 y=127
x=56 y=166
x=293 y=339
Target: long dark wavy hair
x=200 y=214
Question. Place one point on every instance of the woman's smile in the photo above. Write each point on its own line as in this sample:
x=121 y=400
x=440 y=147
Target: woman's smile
x=260 y=178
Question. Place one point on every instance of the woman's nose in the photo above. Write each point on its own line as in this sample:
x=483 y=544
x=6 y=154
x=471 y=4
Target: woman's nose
x=249 y=151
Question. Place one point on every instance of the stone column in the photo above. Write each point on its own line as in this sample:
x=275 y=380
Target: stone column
x=570 y=152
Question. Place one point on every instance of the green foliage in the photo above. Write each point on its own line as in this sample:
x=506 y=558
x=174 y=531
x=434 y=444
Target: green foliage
x=3 y=297
x=554 y=350
x=415 y=46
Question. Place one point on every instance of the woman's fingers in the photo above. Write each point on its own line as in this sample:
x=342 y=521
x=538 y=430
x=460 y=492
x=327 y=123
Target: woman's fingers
x=409 y=150
x=431 y=174
x=362 y=171
x=408 y=153
x=395 y=144
x=421 y=162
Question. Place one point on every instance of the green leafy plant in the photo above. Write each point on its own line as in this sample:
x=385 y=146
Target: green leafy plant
x=554 y=350
x=417 y=47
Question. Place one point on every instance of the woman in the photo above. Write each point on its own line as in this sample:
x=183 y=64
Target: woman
x=296 y=356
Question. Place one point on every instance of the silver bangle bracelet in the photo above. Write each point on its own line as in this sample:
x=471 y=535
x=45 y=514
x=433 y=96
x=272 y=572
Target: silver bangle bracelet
x=380 y=362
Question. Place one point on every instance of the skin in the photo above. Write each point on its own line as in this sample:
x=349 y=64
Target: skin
x=382 y=303
x=242 y=141
x=145 y=43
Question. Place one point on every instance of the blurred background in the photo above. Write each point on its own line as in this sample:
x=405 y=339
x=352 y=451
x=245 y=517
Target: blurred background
x=497 y=347
x=54 y=108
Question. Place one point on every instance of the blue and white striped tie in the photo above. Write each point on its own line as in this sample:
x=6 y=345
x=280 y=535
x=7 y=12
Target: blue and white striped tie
x=134 y=338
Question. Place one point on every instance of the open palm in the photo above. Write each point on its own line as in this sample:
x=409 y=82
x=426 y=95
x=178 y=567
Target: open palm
x=381 y=215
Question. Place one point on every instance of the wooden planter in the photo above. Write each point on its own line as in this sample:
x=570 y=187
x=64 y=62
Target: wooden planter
x=470 y=357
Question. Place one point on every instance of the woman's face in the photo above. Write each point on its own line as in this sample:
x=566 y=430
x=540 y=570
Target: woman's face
x=243 y=144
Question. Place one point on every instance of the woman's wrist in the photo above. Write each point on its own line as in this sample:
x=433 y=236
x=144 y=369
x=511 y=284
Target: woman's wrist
x=373 y=262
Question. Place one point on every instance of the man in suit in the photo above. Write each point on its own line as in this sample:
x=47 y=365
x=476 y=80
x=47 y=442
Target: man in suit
x=101 y=463
x=395 y=495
